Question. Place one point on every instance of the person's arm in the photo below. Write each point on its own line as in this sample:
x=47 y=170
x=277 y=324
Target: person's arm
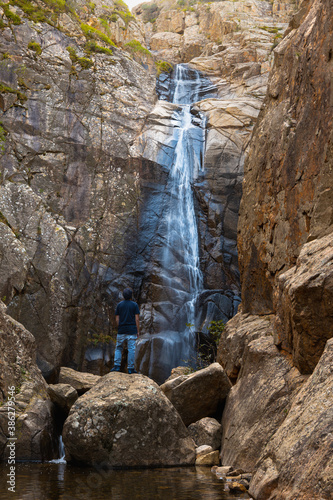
x=117 y=320
x=137 y=322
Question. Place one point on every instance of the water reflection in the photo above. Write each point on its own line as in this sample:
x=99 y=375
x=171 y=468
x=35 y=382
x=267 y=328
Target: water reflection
x=63 y=482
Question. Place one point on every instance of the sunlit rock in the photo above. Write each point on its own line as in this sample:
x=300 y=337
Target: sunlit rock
x=125 y=420
x=200 y=395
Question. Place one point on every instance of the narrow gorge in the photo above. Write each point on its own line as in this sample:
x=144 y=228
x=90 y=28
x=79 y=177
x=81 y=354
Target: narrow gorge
x=184 y=150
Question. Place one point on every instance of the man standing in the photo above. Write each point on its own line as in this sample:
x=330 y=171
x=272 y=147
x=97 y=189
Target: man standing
x=127 y=318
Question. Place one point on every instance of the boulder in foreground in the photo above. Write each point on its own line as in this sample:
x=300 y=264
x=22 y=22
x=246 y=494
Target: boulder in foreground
x=126 y=421
x=200 y=394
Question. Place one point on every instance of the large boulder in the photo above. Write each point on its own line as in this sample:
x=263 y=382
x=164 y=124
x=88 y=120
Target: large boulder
x=259 y=402
x=298 y=461
x=305 y=306
x=80 y=381
x=21 y=383
x=238 y=333
x=200 y=394
x=126 y=420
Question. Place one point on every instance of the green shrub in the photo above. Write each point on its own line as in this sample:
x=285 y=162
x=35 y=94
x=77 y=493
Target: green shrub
x=11 y=16
x=215 y=329
x=92 y=46
x=121 y=5
x=126 y=16
x=72 y=54
x=135 y=46
x=99 y=338
x=91 y=32
x=114 y=18
x=84 y=62
x=163 y=67
x=3 y=134
x=92 y=6
x=8 y=90
x=35 y=47
x=150 y=12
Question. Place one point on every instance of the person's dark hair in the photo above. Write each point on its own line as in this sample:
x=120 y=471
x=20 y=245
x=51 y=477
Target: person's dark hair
x=127 y=294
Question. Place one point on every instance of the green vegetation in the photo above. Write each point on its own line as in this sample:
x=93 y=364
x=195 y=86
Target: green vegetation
x=215 y=330
x=92 y=46
x=4 y=221
x=135 y=46
x=150 y=12
x=11 y=16
x=3 y=134
x=163 y=67
x=100 y=338
x=91 y=32
x=84 y=62
x=35 y=46
x=276 y=40
x=92 y=6
x=206 y=346
x=8 y=90
x=72 y=54
x=269 y=29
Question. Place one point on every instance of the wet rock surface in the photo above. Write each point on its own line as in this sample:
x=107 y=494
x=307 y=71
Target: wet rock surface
x=125 y=420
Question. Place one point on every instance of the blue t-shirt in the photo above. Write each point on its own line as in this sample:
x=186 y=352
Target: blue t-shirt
x=126 y=310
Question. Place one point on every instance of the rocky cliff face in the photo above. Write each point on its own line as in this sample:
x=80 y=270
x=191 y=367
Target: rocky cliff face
x=275 y=348
x=82 y=179
x=70 y=103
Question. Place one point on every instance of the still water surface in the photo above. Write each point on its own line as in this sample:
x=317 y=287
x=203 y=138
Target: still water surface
x=36 y=481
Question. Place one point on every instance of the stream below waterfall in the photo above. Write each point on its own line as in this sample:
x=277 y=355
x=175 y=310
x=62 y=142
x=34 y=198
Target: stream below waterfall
x=49 y=481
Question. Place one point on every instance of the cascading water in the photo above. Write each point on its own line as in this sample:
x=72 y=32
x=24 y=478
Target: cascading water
x=178 y=260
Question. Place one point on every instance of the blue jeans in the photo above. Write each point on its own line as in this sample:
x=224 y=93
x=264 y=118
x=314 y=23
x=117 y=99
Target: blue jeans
x=131 y=338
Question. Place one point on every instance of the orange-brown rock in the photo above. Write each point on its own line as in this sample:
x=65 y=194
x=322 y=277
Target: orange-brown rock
x=288 y=188
x=305 y=304
x=298 y=461
x=258 y=403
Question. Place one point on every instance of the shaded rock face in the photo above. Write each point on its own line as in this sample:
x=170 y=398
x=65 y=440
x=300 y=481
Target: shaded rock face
x=288 y=191
x=22 y=381
x=126 y=420
x=298 y=459
x=69 y=194
x=285 y=237
x=249 y=421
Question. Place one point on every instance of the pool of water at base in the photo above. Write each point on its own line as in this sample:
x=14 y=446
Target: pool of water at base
x=47 y=481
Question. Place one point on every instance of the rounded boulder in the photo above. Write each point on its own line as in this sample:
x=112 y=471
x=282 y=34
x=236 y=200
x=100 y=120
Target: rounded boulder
x=126 y=421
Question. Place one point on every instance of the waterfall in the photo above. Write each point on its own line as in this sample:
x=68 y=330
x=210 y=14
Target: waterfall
x=178 y=258
x=61 y=451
